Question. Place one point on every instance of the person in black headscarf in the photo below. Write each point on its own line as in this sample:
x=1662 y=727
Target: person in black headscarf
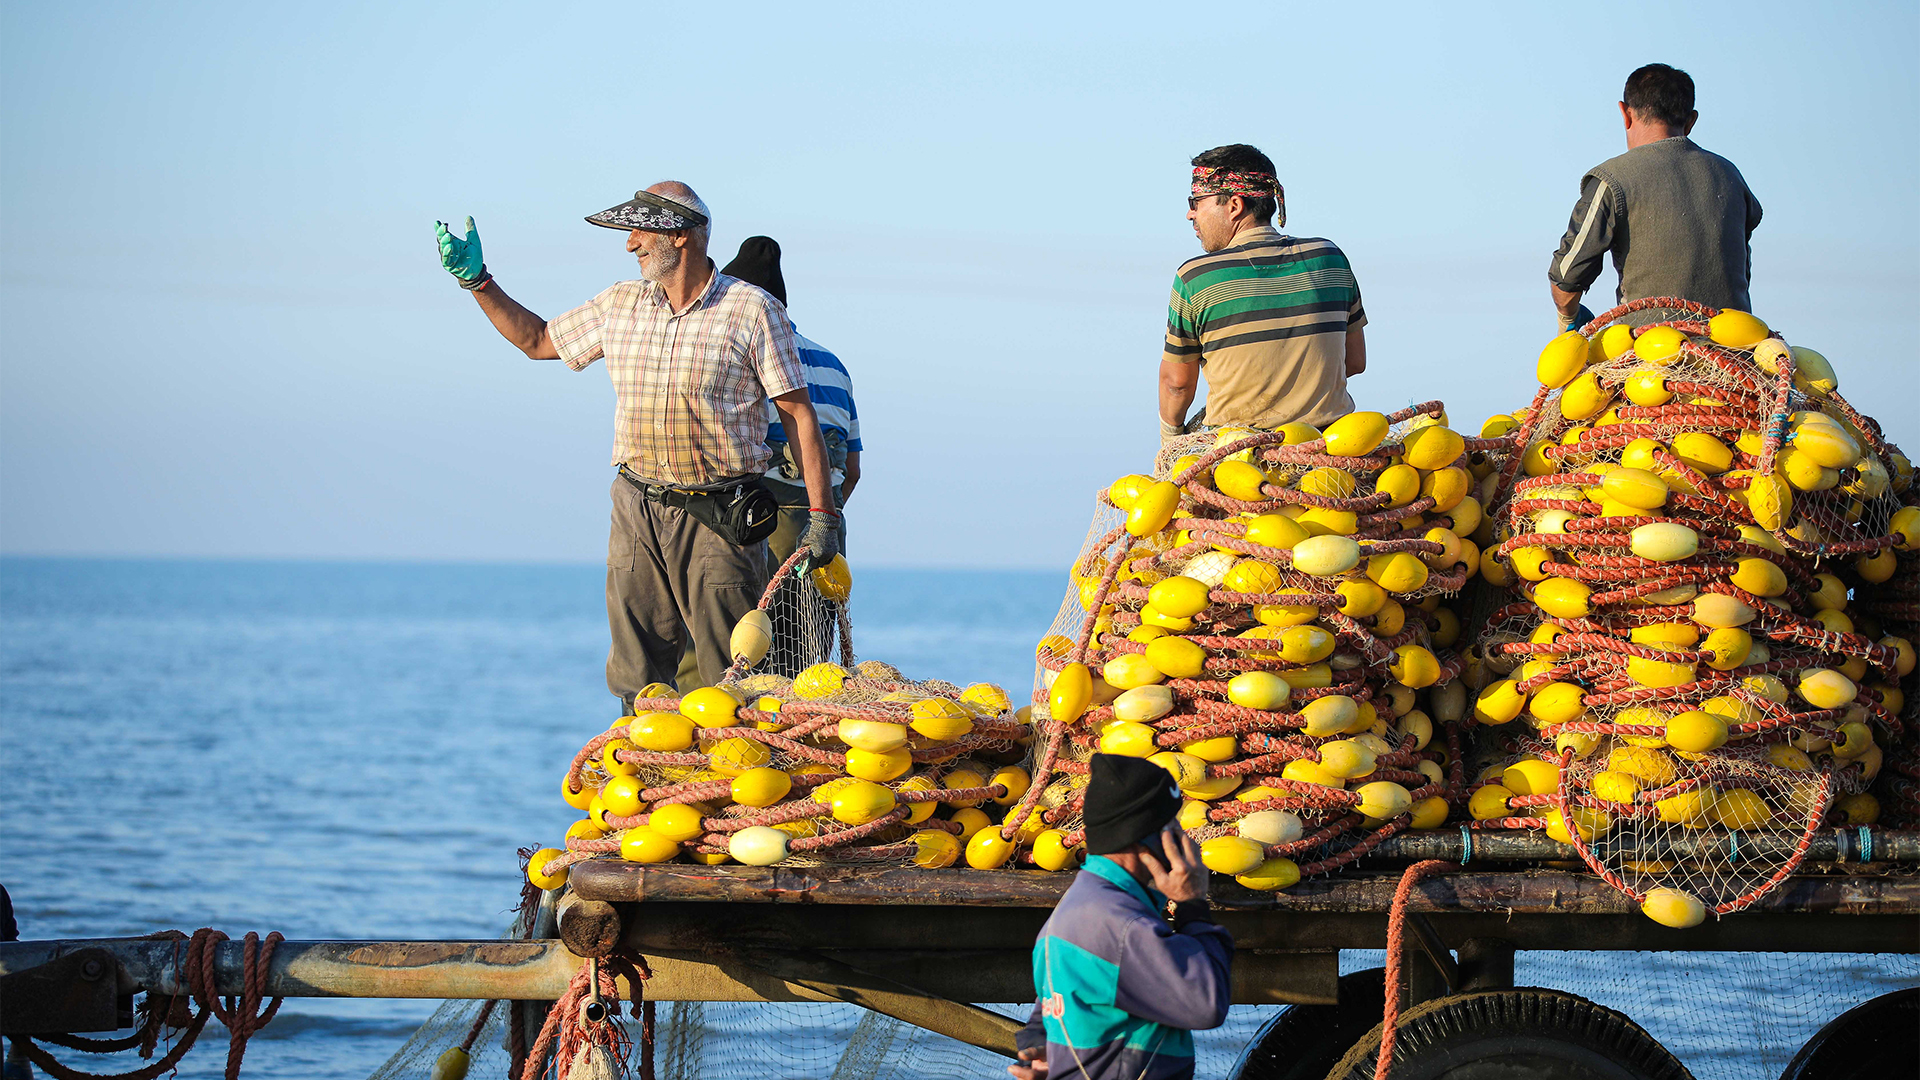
x=1131 y=962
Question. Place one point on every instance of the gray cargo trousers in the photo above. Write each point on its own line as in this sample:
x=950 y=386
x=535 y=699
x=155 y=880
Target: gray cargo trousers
x=671 y=582
x=791 y=525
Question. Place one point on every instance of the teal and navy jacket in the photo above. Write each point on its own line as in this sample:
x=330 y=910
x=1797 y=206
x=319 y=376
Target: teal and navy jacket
x=1120 y=991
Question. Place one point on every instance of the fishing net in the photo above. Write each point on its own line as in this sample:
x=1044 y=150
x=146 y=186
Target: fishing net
x=465 y=1037
x=1699 y=592
x=470 y=1032
x=1265 y=616
x=801 y=754
x=824 y=1041
x=1664 y=614
x=1704 y=618
x=1727 y=1016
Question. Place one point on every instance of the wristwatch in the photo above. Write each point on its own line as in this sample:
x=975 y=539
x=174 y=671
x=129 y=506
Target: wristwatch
x=1186 y=911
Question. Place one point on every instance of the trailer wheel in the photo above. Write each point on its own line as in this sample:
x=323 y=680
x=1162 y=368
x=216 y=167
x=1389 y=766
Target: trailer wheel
x=1302 y=1042
x=1875 y=1039
x=1534 y=1034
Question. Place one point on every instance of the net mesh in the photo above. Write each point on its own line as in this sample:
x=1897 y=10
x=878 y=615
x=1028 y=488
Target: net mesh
x=1698 y=554
x=1264 y=614
x=1727 y=1016
x=441 y=1037
x=801 y=754
x=1323 y=637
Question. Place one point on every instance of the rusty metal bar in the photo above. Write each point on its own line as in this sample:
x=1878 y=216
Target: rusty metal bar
x=822 y=974
x=535 y=971
x=516 y=970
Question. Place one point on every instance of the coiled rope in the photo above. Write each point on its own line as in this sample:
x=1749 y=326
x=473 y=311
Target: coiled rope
x=242 y=1014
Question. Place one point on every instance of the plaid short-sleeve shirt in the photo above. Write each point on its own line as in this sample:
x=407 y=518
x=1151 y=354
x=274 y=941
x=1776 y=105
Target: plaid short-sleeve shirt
x=692 y=384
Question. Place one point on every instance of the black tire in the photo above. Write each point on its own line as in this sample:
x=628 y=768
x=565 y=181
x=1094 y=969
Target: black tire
x=1302 y=1042
x=1876 y=1039
x=1527 y=1034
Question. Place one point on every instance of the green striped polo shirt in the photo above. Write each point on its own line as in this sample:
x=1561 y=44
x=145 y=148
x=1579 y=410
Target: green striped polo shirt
x=1267 y=320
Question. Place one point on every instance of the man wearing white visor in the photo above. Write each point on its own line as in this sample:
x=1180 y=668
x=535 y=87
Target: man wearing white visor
x=694 y=355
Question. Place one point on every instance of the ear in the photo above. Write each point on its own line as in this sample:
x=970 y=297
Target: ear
x=1237 y=207
x=1626 y=115
x=1692 y=119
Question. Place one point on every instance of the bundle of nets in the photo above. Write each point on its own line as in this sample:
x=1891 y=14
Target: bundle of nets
x=793 y=758
x=1895 y=603
x=1702 y=549
x=1267 y=617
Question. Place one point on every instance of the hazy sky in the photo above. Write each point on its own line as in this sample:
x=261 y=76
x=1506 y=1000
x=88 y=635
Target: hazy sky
x=227 y=332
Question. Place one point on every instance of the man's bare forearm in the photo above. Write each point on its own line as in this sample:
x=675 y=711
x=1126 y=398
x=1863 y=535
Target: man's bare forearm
x=803 y=434
x=852 y=476
x=1566 y=303
x=1356 y=351
x=1178 y=384
x=522 y=328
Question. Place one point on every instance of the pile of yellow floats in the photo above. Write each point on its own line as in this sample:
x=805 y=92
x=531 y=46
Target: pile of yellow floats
x=1664 y=614
x=1704 y=613
x=835 y=763
x=1265 y=620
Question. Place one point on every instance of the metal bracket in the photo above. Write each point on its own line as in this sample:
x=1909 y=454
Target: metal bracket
x=1436 y=950
x=842 y=982
x=76 y=992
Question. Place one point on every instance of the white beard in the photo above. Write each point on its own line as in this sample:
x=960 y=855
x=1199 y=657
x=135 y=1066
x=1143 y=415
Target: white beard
x=660 y=262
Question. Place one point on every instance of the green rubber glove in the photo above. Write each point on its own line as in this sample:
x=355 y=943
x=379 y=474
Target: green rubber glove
x=458 y=257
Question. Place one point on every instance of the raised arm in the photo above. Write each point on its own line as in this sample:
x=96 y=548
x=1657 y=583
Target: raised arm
x=461 y=257
x=527 y=331
x=1176 y=977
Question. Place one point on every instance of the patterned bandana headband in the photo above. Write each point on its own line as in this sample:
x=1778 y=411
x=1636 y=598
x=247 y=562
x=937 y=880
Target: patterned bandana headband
x=1223 y=181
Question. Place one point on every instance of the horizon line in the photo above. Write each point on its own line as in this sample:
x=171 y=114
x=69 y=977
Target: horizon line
x=426 y=561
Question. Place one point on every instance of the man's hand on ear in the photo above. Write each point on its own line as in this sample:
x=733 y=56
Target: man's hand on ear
x=1183 y=876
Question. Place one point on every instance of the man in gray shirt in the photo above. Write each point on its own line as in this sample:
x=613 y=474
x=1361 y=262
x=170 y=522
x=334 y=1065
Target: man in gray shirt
x=1677 y=219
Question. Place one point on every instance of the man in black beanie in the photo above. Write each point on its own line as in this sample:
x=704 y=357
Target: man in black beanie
x=1131 y=963
x=830 y=388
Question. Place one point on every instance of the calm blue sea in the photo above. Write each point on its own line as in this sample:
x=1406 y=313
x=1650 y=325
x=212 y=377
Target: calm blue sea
x=356 y=750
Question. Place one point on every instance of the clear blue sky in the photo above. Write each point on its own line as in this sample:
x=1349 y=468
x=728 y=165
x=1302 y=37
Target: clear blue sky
x=227 y=332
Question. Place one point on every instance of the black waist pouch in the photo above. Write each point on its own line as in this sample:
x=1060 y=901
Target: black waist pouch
x=740 y=515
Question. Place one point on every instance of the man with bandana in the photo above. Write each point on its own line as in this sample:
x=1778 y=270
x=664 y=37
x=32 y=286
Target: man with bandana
x=1274 y=321
x=694 y=356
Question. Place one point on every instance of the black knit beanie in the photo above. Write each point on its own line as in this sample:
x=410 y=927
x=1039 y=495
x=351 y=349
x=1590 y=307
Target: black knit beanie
x=759 y=264
x=1128 y=800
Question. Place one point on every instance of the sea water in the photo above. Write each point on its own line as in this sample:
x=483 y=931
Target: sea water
x=356 y=751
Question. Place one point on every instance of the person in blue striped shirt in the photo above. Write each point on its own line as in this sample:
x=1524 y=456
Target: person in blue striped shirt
x=830 y=388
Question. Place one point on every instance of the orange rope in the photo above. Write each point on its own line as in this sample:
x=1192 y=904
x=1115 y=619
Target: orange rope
x=1396 y=946
x=241 y=1014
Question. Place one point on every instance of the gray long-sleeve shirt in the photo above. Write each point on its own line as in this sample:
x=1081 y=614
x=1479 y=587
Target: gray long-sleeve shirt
x=1677 y=219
